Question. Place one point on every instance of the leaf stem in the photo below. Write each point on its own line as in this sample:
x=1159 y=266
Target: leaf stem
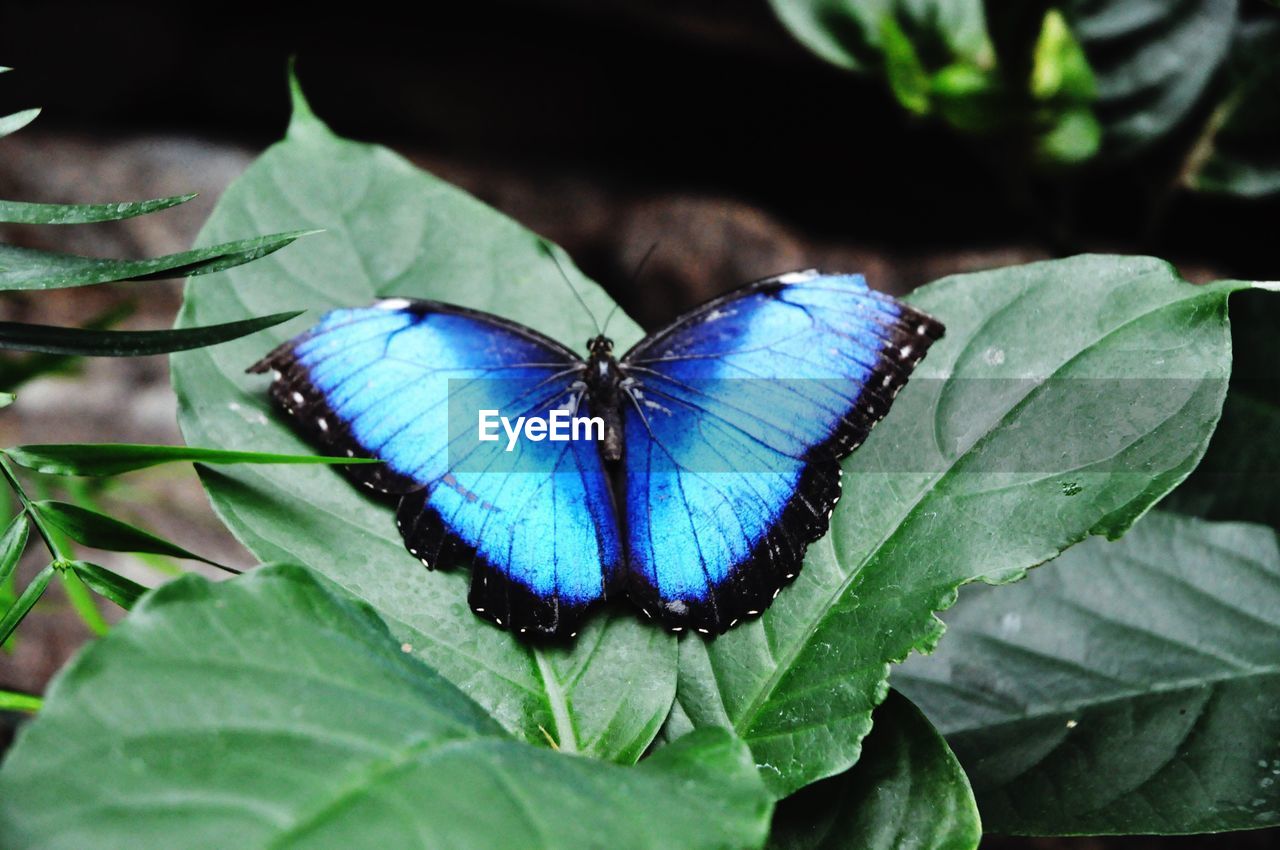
x=59 y=557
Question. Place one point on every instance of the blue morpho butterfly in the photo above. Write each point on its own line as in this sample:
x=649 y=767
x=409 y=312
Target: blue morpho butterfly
x=719 y=463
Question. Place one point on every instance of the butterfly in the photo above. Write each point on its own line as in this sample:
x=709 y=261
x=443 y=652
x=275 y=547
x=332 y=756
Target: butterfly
x=715 y=466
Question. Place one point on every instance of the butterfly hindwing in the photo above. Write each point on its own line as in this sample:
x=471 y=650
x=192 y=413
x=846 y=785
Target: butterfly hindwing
x=390 y=382
x=739 y=414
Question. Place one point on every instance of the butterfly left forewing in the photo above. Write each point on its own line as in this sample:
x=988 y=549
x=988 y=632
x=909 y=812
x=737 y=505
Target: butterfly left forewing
x=400 y=382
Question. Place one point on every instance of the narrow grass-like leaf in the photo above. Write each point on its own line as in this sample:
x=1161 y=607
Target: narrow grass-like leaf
x=28 y=268
x=47 y=339
x=16 y=371
x=120 y=590
x=94 y=459
x=15 y=122
x=20 y=212
x=99 y=531
x=276 y=711
x=1128 y=687
x=392 y=229
x=26 y=600
x=14 y=701
x=83 y=601
x=906 y=791
x=13 y=544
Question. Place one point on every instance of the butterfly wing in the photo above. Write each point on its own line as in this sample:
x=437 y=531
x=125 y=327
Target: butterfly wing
x=738 y=415
x=401 y=381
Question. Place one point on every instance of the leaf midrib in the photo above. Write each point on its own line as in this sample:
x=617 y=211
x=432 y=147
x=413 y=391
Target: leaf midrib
x=374 y=773
x=1045 y=712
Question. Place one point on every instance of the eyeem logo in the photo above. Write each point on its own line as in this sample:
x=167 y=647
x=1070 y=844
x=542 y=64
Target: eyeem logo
x=559 y=427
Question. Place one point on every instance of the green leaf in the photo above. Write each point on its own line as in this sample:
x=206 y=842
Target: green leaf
x=908 y=79
x=1151 y=60
x=16 y=371
x=1059 y=67
x=26 y=601
x=907 y=791
x=100 y=531
x=1009 y=445
x=275 y=711
x=1239 y=478
x=28 y=268
x=83 y=601
x=1132 y=687
x=1074 y=137
x=6 y=399
x=14 y=701
x=392 y=229
x=120 y=590
x=15 y=122
x=1238 y=155
x=93 y=459
x=18 y=212
x=46 y=339
x=13 y=544
x=852 y=33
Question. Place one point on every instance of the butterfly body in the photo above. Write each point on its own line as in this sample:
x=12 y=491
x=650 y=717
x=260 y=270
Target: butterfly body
x=604 y=382
x=717 y=462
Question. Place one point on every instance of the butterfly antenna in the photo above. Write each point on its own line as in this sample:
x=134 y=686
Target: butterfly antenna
x=635 y=278
x=546 y=249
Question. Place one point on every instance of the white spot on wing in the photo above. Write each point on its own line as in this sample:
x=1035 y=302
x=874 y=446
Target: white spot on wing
x=798 y=277
x=393 y=303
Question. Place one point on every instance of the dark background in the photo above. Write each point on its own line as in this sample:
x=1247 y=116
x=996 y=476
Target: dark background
x=606 y=126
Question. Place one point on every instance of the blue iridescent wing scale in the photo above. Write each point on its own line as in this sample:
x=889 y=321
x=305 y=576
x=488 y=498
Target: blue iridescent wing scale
x=738 y=416
x=376 y=382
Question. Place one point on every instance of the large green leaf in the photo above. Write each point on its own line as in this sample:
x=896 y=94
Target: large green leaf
x=1152 y=60
x=1065 y=399
x=1131 y=687
x=907 y=792
x=392 y=229
x=277 y=711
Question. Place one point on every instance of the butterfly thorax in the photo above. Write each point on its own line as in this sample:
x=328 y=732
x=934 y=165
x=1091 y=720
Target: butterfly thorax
x=604 y=393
